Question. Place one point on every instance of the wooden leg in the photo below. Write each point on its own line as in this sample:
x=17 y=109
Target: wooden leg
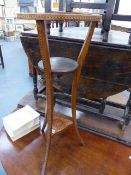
x=2 y=61
x=48 y=27
x=42 y=128
x=44 y=124
x=30 y=68
x=75 y=84
x=35 y=83
x=44 y=50
x=130 y=39
x=102 y=106
x=61 y=26
x=47 y=148
x=48 y=133
x=127 y=112
x=74 y=98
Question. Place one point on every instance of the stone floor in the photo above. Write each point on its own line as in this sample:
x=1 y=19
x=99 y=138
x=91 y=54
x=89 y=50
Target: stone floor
x=15 y=81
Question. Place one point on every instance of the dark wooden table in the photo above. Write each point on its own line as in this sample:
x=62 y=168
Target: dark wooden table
x=107 y=69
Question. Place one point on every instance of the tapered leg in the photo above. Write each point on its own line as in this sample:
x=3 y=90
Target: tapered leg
x=44 y=50
x=47 y=148
x=75 y=84
x=48 y=133
x=74 y=97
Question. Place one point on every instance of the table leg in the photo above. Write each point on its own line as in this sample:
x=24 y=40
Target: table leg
x=1 y=56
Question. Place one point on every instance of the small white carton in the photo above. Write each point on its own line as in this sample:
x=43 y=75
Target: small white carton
x=21 y=122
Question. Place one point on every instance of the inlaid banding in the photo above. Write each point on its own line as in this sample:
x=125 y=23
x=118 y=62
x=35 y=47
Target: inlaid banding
x=60 y=16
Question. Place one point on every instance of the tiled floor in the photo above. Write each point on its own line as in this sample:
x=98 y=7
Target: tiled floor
x=15 y=81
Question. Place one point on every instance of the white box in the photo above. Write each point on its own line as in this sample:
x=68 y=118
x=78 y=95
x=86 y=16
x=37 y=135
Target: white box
x=25 y=132
x=21 y=122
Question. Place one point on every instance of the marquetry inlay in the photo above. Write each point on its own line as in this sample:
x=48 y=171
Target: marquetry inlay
x=60 y=16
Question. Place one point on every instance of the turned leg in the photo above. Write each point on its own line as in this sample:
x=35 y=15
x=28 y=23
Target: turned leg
x=127 y=112
x=60 y=26
x=48 y=27
x=2 y=61
x=130 y=39
x=35 y=83
x=102 y=106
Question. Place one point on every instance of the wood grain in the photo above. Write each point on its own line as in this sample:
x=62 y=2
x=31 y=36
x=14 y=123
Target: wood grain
x=60 y=65
x=105 y=72
x=45 y=56
x=99 y=156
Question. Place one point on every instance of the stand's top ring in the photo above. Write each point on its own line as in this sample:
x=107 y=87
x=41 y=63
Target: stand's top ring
x=61 y=16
